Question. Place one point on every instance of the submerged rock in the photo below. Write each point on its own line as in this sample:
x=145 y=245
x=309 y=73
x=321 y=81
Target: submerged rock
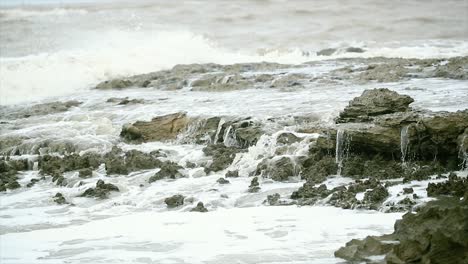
x=222 y=156
x=232 y=174
x=222 y=181
x=160 y=128
x=59 y=199
x=454 y=186
x=174 y=201
x=199 y=208
x=254 y=185
x=169 y=170
x=101 y=191
x=279 y=170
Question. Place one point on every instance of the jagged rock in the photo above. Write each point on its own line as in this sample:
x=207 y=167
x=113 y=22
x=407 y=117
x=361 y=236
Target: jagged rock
x=437 y=233
x=375 y=197
x=317 y=168
x=408 y=190
x=54 y=165
x=232 y=174
x=287 y=138
x=32 y=182
x=454 y=186
x=273 y=199
x=85 y=173
x=309 y=194
x=254 y=185
x=174 y=201
x=361 y=250
x=222 y=181
x=124 y=101
x=222 y=156
x=115 y=84
x=160 y=128
x=118 y=162
x=199 y=208
x=41 y=109
x=101 y=191
x=58 y=198
x=374 y=102
x=169 y=170
x=278 y=170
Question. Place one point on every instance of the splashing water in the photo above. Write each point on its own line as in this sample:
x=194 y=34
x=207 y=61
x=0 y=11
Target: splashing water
x=342 y=147
x=404 y=143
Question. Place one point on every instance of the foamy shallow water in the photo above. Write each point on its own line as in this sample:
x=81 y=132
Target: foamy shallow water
x=240 y=235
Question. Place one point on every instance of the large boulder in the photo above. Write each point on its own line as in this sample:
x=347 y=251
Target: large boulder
x=438 y=233
x=160 y=128
x=374 y=102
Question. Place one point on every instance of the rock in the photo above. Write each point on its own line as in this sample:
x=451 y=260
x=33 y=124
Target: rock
x=114 y=84
x=408 y=190
x=199 y=208
x=85 y=173
x=326 y=52
x=437 y=233
x=454 y=186
x=222 y=156
x=361 y=250
x=232 y=174
x=254 y=185
x=169 y=170
x=222 y=181
x=118 y=162
x=54 y=165
x=59 y=199
x=374 y=102
x=101 y=191
x=160 y=128
x=32 y=182
x=287 y=138
x=273 y=199
x=40 y=109
x=174 y=201
x=354 y=50
x=384 y=72
x=309 y=194
x=124 y=101
x=281 y=169
x=375 y=197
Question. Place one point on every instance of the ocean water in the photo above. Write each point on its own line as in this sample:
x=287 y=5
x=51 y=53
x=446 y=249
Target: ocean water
x=58 y=50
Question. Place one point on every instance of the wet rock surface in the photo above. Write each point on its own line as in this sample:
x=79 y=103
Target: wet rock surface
x=101 y=190
x=199 y=208
x=160 y=128
x=168 y=169
x=437 y=233
x=174 y=201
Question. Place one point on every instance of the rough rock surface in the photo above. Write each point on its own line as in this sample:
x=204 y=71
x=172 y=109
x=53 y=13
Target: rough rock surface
x=199 y=208
x=254 y=185
x=222 y=156
x=174 y=201
x=169 y=170
x=101 y=191
x=160 y=128
x=374 y=102
x=438 y=233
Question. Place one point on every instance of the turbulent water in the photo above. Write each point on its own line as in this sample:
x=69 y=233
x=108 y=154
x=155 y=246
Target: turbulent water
x=60 y=50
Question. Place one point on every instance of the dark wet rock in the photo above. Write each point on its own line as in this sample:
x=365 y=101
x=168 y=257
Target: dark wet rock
x=287 y=138
x=124 y=101
x=115 y=84
x=454 y=186
x=279 y=170
x=273 y=199
x=59 y=199
x=85 y=173
x=101 y=191
x=222 y=156
x=33 y=181
x=326 y=52
x=254 y=185
x=169 y=170
x=232 y=174
x=317 y=167
x=222 y=181
x=354 y=50
x=54 y=165
x=199 y=208
x=437 y=233
x=375 y=102
x=118 y=162
x=160 y=128
x=174 y=201
x=374 y=198
x=41 y=109
x=309 y=194
x=293 y=80
x=454 y=68
x=361 y=250
x=408 y=190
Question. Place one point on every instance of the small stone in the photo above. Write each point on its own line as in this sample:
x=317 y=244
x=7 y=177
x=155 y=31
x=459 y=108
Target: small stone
x=58 y=198
x=254 y=185
x=232 y=174
x=199 y=208
x=222 y=181
x=408 y=190
x=174 y=201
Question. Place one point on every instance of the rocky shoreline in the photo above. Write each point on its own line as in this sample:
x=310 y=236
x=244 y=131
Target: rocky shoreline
x=378 y=142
